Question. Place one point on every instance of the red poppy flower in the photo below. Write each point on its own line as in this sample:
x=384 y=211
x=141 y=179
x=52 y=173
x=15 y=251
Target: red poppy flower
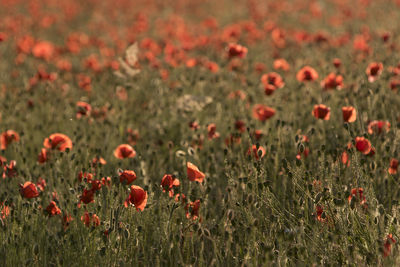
x=28 y=190
x=377 y=127
x=235 y=65
x=44 y=50
x=194 y=174
x=191 y=62
x=88 y=219
x=41 y=184
x=319 y=211
x=194 y=125
x=128 y=176
x=137 y=197
x=96 y=185
x=385 y=36
x=95 y=220
x=168 y=182
x=255 y=152
x=84 y=82
x=262 y=112
x=321 y=112
x=394 y=85
x=278 y=37
x=58 y=141
x=3 y=161
x=360 y=43
x=85 y=175
x=96 y=161
x=7 y=138
x=66 y=220
x=394 y=164
x=388 y=245
x=106 y=181
x=92 y=62
x=211 y=66
x=304 y=138
x=307 y=74
x=43 y=75
x=180 y=197
x=332 y=81
x=337 y=62
x=3 y=37
x=64 y=65
x=395 y=70
x=25 y=44
x=124 y=151
x=259 y=67
x=357 y=193
x=305 y=153
x=212 y=131
x=349 y=114
x=363 y=145
x=192 y=210
x=239 y=94
x=281 y=64
x=271 y=82
x=372 y=152
x=43 y=157
x=84 y=109
x=258 y=134
x=269 y=89
x=240 y=126
x=9 y=169
x=345 y=158
x=236 y=50
x=4 y=210
x=87 y=196
x=52 y=209
x=373 y=71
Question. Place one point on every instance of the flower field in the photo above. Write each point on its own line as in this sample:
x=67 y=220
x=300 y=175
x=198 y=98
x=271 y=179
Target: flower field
x=199 y=133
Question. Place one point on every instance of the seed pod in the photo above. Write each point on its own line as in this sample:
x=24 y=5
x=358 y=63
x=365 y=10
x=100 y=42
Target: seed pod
x=230 y=214
x=36 y=249
x=180 y=154
x=127 y=233
x=191 y=151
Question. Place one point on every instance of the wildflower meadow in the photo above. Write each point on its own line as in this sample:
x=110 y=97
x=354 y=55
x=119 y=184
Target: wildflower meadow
x=199 y=133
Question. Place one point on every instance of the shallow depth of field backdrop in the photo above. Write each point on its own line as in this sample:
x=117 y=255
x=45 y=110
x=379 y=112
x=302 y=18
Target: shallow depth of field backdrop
x=199 y=133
